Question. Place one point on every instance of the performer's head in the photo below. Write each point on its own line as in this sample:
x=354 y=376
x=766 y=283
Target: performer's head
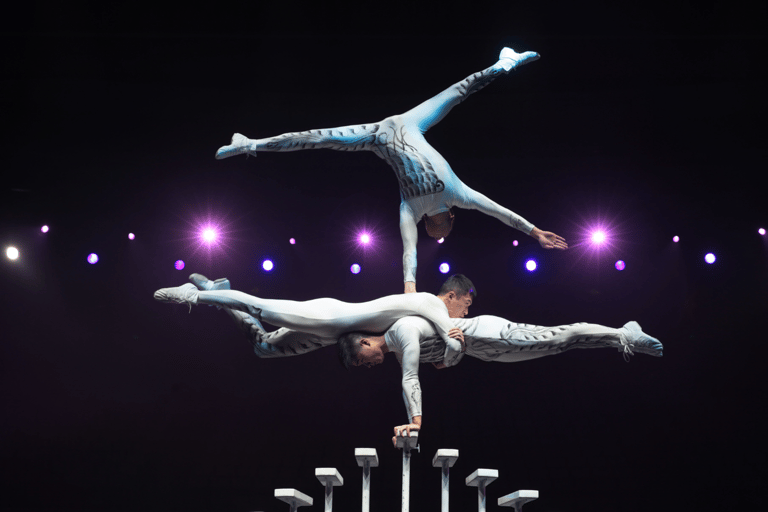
x=440 y=225
x=358 y=349
x=457 y=293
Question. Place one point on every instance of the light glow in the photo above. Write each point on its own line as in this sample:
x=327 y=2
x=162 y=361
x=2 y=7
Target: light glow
x=355 y=268
x=12 y=253
x=444 y=268
x=179 y=265
x=44 y=229
x=598 y=237
x=93 y=258
x=530 y=265
x=675 y=238
x=710 y=258
x=131 y=236
x=292 y=241
x=761 y=231
x=620 y=265
x=268 y=265
x=365 y=238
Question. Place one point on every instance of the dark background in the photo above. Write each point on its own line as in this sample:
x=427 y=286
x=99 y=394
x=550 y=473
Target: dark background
x=648 y=118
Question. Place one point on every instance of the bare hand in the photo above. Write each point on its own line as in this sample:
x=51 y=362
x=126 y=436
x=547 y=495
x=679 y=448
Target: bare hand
x=549 y=240
x=410 y=287
x=456 y=333
x=405 y=431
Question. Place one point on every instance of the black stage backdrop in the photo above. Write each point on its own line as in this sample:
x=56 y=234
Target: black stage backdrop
x=648 y=118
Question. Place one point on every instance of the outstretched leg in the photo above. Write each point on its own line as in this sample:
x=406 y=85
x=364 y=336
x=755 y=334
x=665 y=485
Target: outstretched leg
x=492 y=338
x=432 y=111
x=344 y=138
x=280 y=343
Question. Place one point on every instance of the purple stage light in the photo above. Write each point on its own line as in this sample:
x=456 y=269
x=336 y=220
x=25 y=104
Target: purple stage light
x=441 y=240
x=444 y=268
x=44 y=229
x=208 y=235
x=12 y=253
x=515 y=243
x=93 y=258
x=179 y=265
x=292 y=241
x=710 y=258
x=761 y=231
x=365 y=238
x=355 y=268
x=598 y=237
x=530 y=265
x=131 y=236
x=268 y=265
x=675 y=238
x=620 y=265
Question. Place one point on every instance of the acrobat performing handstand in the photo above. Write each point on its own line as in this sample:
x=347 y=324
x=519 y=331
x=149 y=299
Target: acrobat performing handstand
x=488 y=338
x=428 y=186
x=437 y=333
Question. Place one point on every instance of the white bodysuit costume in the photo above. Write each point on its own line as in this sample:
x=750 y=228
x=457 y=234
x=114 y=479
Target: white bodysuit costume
x=428 y=185
x=492 y=338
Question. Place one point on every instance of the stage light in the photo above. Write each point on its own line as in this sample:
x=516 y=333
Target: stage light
x=44 y=229
x=710 y=258
x=620 y=265
x=208 y=235
x=365 y=238
x=441 y=240
x=515 y=243
x=292 y=241
x=268 y=265
x=93 y=258
x=598 y=237
x=179 y=265
x=761 y=231
x=675 y=238
x=355 y=268
x=131 y=236
x=444 y=268
x=530 y=265
x=12 y=253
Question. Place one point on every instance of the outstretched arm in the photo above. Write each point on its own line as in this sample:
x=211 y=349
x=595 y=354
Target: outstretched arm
x=409 y=360
x=410 y=236
x=477 y=201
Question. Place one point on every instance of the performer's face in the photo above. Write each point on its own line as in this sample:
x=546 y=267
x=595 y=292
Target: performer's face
x=369 y=355
x=458 y=307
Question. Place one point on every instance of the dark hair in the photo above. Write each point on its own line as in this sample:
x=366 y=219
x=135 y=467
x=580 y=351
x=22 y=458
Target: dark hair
x=349 y=347
x=459 y=284
x=439 y=225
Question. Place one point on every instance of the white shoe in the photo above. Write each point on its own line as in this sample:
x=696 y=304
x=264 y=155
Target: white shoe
x=640 y=342
x=240 y=145
x=203 y=283
x=509 y=59
x=184 y=294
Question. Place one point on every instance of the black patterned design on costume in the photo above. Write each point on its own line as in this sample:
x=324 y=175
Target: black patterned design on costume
x=415 y=174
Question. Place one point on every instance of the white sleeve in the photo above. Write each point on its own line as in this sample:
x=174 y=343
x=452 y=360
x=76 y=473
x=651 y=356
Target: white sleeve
x=477 y=201
x=408 y=339
x=410 y=235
